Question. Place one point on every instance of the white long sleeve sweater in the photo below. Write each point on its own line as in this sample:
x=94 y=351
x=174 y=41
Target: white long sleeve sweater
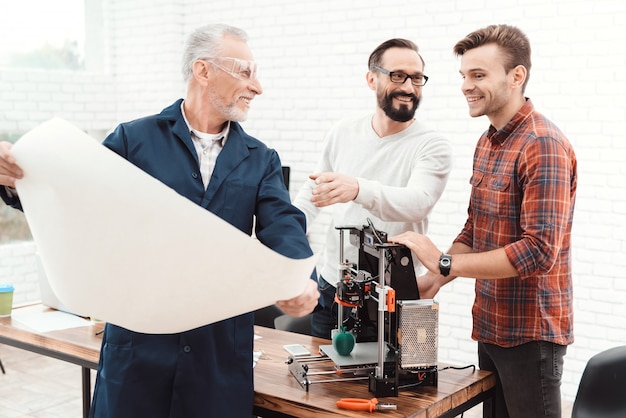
x=400 y=177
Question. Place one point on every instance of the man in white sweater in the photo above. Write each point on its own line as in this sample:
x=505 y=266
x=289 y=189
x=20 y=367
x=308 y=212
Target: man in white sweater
x=385 y=166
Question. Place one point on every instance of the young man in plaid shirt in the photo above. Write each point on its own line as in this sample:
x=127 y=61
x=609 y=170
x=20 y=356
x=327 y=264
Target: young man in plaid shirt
x=516 y=240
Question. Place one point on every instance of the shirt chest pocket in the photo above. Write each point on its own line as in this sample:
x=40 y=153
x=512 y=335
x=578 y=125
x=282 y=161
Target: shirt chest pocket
x=492 y=195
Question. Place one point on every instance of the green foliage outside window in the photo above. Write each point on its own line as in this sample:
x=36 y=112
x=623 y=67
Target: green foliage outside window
x=48 y=57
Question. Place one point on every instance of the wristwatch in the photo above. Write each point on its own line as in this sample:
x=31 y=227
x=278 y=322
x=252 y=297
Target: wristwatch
x=445 y=261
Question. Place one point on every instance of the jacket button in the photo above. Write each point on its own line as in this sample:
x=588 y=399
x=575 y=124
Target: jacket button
x=187 y=349
x=194 y=175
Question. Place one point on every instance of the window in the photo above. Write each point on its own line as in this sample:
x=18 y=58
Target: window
x=43 y=34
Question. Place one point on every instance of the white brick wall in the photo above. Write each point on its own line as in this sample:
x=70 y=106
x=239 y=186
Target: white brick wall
x=19 y=267
x=313 y=57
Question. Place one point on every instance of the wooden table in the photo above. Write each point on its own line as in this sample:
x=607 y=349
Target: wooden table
x=80 y=346
x=277 y=393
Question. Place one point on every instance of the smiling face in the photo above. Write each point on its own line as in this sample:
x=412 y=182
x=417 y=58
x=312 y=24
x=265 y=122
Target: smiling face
x=230 y=94
x=398 y=101
x=488 y=88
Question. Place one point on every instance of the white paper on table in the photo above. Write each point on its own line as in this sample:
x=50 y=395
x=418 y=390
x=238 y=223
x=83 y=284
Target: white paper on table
x=51 y=320
x=121 y=246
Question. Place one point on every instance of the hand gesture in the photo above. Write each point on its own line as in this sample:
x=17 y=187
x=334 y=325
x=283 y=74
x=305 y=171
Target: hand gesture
x=422 y=246
x=302 y=304
x=331 y=188
x=9 y=171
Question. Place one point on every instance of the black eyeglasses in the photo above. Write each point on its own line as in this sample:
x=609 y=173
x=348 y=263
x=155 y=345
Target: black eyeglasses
x=399 y=77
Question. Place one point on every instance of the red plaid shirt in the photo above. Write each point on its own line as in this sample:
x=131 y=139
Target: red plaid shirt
x=523 y=192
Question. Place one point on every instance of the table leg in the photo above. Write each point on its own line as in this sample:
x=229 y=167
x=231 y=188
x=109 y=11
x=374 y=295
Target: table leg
x=86 y=372
x=466 y=406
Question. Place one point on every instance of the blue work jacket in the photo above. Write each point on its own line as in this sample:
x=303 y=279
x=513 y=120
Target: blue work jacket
x=205 y=372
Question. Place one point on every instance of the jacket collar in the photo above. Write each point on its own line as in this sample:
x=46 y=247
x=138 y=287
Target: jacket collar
x=235 y=150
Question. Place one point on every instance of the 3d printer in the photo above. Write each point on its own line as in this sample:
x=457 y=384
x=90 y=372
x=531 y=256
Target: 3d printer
x=396 y=332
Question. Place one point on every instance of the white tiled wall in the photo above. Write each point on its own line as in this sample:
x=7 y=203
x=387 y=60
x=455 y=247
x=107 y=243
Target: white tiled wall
x=18 y=267
x=313 y=57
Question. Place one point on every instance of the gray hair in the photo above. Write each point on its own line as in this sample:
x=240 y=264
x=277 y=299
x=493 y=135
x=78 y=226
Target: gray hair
x=206 y=41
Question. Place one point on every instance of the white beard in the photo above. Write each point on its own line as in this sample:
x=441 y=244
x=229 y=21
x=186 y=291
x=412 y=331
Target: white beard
x=229 y=111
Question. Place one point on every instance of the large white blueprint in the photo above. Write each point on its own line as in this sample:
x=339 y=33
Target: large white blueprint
x=120 y=246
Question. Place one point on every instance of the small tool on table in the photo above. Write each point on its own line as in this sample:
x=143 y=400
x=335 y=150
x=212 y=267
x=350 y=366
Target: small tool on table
x=356 y=404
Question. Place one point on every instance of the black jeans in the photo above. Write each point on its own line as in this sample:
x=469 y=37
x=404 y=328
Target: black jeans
x=528 y=379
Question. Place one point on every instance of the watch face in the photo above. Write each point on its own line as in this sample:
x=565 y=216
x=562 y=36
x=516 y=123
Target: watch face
x=445 y=262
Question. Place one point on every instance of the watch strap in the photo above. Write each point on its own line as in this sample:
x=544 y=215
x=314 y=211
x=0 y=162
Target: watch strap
x=445 y=262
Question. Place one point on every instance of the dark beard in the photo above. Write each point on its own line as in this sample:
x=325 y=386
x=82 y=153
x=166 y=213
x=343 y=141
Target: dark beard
x=402 y=114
